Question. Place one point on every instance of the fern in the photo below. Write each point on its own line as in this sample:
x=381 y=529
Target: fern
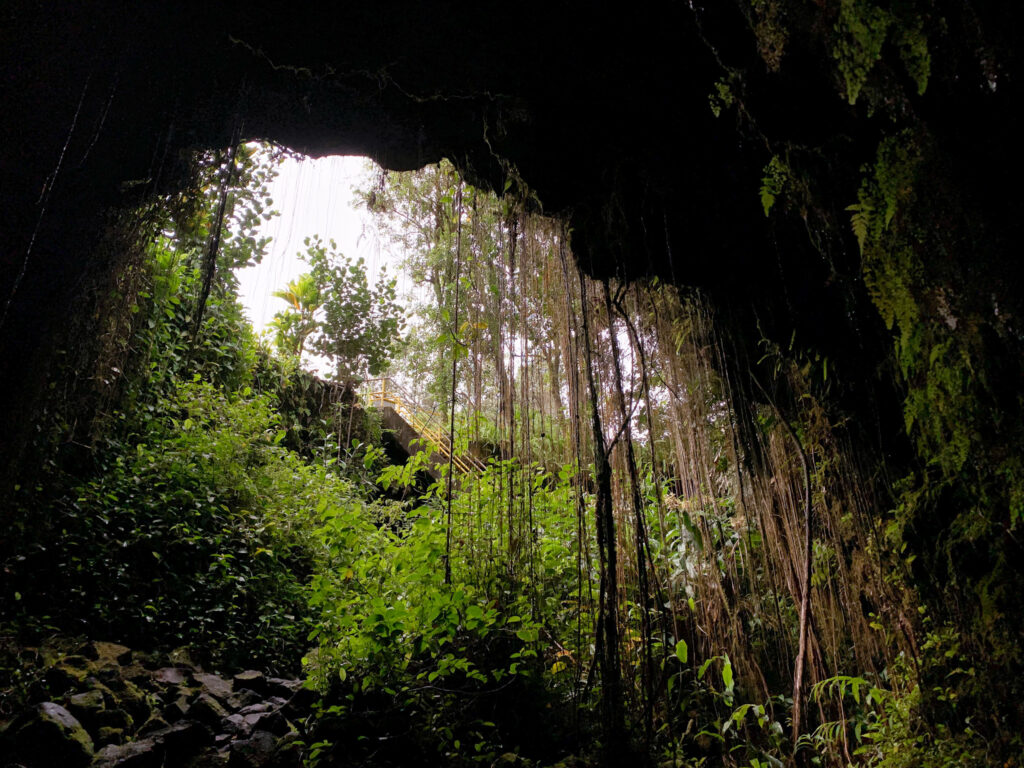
x=776 y=175
x=860 y=221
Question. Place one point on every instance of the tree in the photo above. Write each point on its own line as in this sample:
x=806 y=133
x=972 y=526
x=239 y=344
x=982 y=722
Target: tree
x=293 y=326
x=356 y=326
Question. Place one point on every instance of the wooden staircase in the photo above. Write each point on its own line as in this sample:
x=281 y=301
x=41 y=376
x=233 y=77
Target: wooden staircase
x=414 y=422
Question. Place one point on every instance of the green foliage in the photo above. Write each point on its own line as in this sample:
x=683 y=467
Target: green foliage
x=745 y=734
x=361 y=326
x=883 y=729
x=937 y=364
x=387 y=624
x=191 y=219
x=194 y=532
x=293 y=326
x=953 y=511
x=223 y=352
x=722 y=97
x=912 y=41
x=776 y=175
x=862 y=30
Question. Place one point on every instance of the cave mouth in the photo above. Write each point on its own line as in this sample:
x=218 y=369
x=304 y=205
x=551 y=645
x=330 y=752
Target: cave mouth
x=833 y=196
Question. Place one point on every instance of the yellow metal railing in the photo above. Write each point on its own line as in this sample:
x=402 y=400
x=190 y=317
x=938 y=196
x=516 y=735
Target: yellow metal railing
x=385 y=392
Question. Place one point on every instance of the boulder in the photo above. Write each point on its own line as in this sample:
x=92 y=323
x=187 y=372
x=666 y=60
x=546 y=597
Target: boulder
x=76 y=661
x=272 y=722
x=171 y=676
x=214 y=685
x=238 y=726
x=253 y=680
x=183 y=740
x=49 y=735
x=176 y=710
x=146 y=660
x=255 y=752
x=88 y=650
x=63 y=677
x=107 y=735
x=93 y=684
x=153 y=724
x=86 y=706
x=114 y=718
x=128 y=696
x=112 y=654
x=181 y=657
x=144 y=753
x=257 y=708
x=243 y=698
x=279 y=686
x=207 y=710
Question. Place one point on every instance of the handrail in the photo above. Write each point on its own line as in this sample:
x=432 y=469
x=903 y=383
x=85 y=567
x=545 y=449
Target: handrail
x=389 y=393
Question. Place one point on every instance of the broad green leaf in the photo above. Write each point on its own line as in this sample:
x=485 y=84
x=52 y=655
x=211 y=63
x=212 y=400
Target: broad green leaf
x=682 y=650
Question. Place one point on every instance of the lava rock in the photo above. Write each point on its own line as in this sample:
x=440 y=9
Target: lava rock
x=49 y=735
x=176 y=710
x=255 y=752
x=183 y=740
x=278 y=686
x=88 y=650
x=153 y=724
x=207 y=710
x=253 y=680
x=114 y=718
x=86 y=706
x=181 y=657
x=145 y=753
x=273 y=722
x=214 y=685
x=171 y=675
x=63 y=677
x=237 y=725
x=112 y=653
x=243 y=698
x=128 y=696
x=107 y=735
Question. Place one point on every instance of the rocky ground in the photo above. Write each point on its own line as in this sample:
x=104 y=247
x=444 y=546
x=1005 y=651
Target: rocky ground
x=101 y=704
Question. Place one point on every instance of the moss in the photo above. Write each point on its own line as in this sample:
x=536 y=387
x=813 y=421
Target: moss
x=953 y=511
x=861 y=32
x=912 y=42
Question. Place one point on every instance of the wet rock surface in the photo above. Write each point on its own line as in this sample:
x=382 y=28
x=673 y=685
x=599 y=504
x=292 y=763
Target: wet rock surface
x=105 y=706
